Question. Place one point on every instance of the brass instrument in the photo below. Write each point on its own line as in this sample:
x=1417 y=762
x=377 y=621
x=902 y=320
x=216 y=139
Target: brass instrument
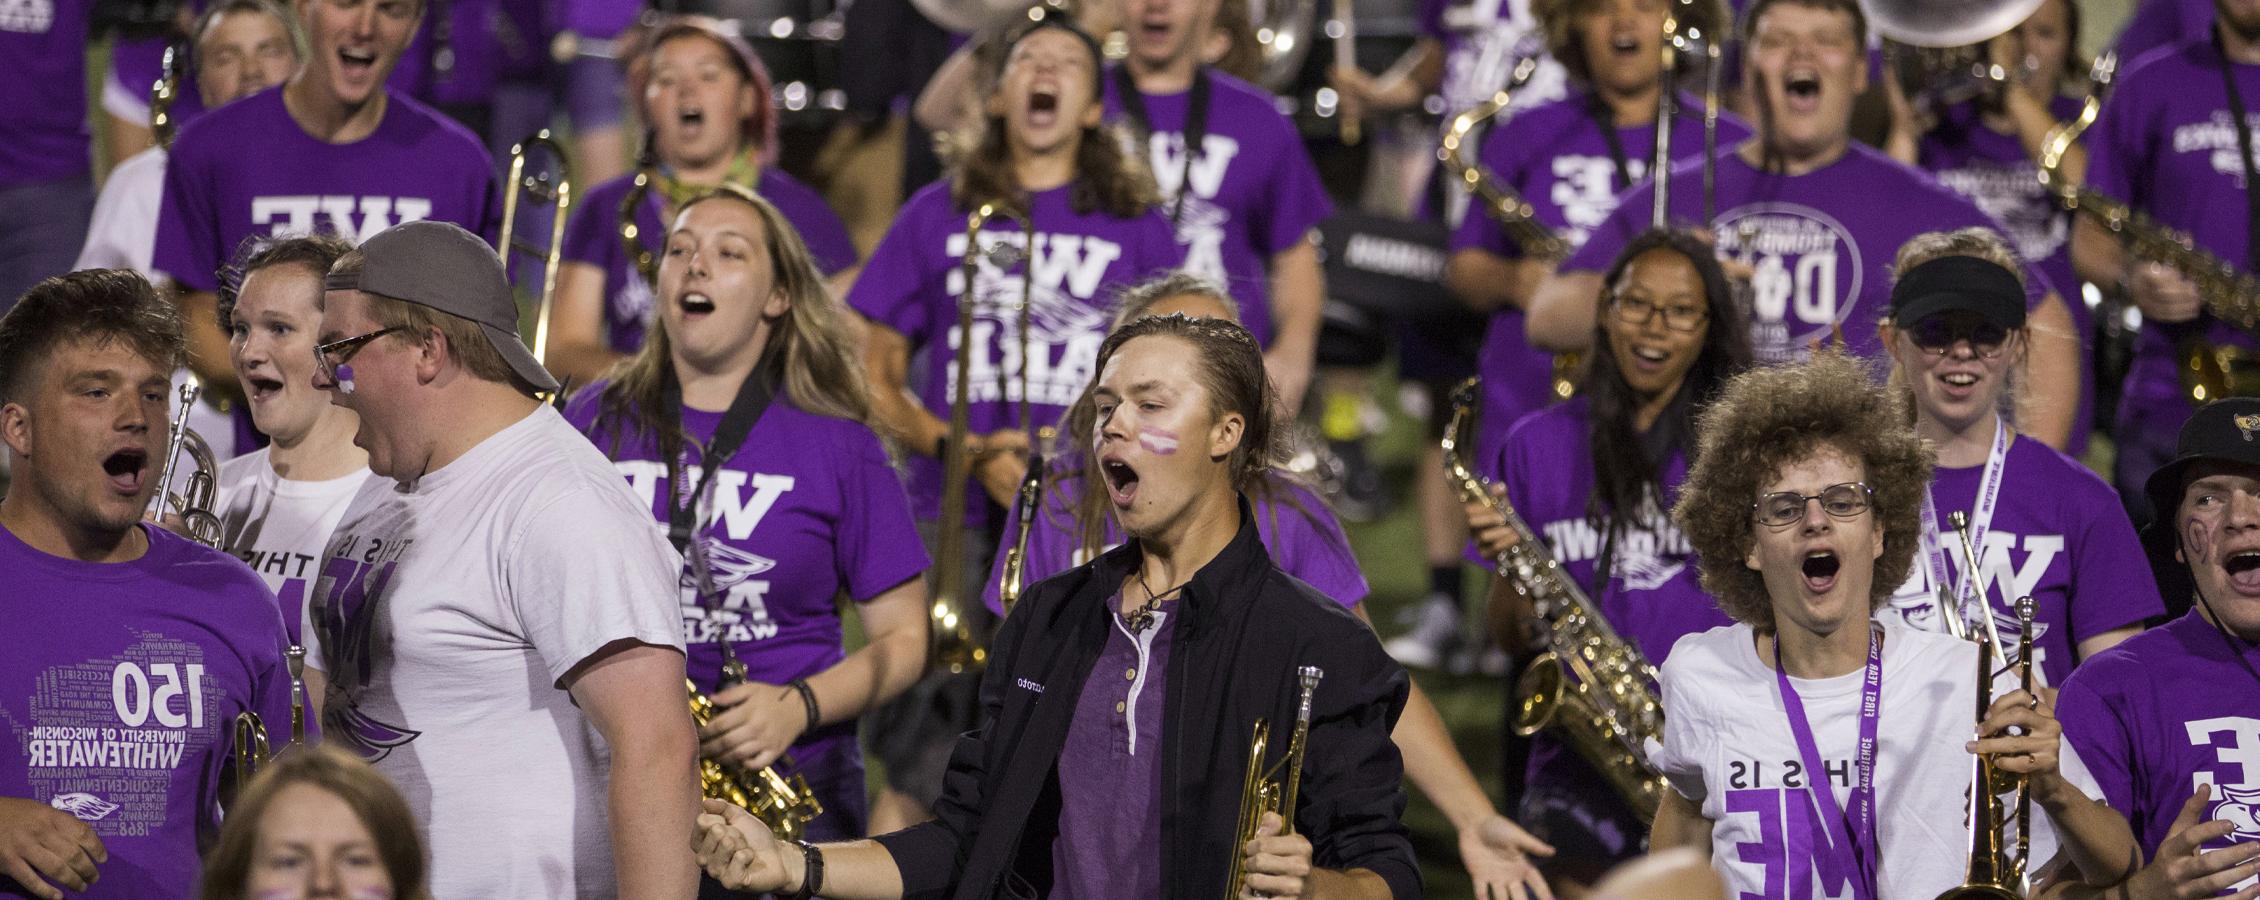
x=161 y=95
x=250 y=748
x=784 y=804
x=1960 y=522
x=546 y=187
x=640 y=257
x=955 y=646
x=1994 y=872
x=1027 y=504
x=1513 y=213
x=1592 y=685
x=2208 y=372
x=196 y=503
x=1938 y=47
x=1272 y=790
x=1343 y=29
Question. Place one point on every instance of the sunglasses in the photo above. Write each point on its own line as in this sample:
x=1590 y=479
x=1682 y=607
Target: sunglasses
x=1937 y=336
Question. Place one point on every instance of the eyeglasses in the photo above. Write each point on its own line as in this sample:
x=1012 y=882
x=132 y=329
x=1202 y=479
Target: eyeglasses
x=1841 y=501
x=1636 y=312
x=1938 y=335
x=328 y=357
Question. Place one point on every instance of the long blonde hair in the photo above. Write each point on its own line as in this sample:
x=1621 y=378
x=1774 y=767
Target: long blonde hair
x=810 y=352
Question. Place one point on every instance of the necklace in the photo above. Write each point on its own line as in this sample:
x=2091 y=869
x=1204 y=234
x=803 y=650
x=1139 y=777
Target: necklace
x=1142 y=618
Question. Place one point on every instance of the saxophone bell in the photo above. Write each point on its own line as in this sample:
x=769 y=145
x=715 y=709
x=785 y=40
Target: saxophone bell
x=1274 y=789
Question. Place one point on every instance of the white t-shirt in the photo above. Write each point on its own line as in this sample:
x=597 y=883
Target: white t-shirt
x=280 y=526
x=447 y=612
x=1728 y=748
x=123 y=232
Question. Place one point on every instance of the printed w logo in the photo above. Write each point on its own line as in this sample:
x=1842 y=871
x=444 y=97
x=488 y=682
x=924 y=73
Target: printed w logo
x=354 y=218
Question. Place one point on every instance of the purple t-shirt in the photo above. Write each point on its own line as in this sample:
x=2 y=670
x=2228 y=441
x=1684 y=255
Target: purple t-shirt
x=2059 y=536
x=43 y=137
x=1082 y=260
x=247 y=169
x=1110 y=768
x=2162 y=23
x=2166 y=712
x=137 y=62
x=1822 y=242
x=475 y=57
x=119 y=692
x=2164 y=146
x=1995 y=172
x=1250 y=193
x=1302 y=535
x=593 y=237
x=1561 y=163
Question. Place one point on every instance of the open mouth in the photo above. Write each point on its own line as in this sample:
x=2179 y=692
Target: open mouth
x=695 y=304
x=1820 y=568
x=356 y=62
x=1804 y=86
x=261 y=388
x=692 y=118
x=126 y=468
x=1121 y=481
x=1624 y=44
x=1043 y=105
x=2243 y=567
x=1655 y=356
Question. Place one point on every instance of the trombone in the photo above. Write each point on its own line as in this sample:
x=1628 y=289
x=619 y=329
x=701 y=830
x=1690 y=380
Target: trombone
x=639 y=256
x=1681 y=36
x=955 y=645
x=547 y=186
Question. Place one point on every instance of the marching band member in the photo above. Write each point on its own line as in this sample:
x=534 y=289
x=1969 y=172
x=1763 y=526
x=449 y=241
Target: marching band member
x=242 y=47
x=1569 y=159
x=2167 y=145
x=1305 y=540
x=2041 y=524
x=1988 y=149
x=1815 y=217
x=1128 y=787
x=1595 y=475
x=1803 y=504
x=333 y=150
x=317 y=822
x=279 y=503
x=130 y=649
x=46 y=160
x=1042 y=152
x=2167 y=719
x=749 y=359
x=713 y=122
x=1235 y=180
x=495 y=618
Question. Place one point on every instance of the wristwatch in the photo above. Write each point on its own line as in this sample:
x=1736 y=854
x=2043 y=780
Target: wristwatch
x=812 y=872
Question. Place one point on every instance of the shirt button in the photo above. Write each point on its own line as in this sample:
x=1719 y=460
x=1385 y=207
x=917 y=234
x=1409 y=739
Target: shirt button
x=1121 y=706
x=1129 y=674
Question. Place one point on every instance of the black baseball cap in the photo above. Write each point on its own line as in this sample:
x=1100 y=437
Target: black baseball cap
x=1965 y=283
x=2226 y=430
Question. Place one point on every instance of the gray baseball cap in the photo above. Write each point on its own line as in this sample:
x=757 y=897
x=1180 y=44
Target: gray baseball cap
x=442 y=266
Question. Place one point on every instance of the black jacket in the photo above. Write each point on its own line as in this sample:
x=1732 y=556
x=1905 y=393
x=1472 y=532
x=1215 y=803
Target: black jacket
x=1243 y=628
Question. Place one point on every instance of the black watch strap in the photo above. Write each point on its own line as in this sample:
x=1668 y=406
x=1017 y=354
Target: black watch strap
x=812 y=872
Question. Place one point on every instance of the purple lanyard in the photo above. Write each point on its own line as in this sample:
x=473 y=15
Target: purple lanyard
x=1861 y=822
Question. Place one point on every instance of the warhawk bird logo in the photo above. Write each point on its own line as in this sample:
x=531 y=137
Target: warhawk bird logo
x=86 y=807
x=2238 y=806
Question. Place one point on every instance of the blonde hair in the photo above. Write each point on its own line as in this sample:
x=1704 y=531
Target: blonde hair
x=374 y=801
x=1977 y=243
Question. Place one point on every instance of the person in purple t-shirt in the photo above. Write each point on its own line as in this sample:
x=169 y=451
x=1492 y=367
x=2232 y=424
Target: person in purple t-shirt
x=1244 y=201
x=2041 y=525
x=1809 y=219
x=2164 y=146
x=333 y=149
x=1569 y=159
x=1081 y=782
x=2169 y=721
x=804 y=507
x=707 y=97
x=1074 y=526
x=131 y=651
x=1668 y=342
x=46 y=168
x=1988 y=149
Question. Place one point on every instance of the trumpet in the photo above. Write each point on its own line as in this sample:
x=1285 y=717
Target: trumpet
x=542 y=188
x=1960 y=521
x=955 y=645
x=1995 y=872
x=195 y=504
x=1026 y=504
x=1592 y=685
x=1272 y=790
x=784 y=804
x=251 y=748
x=640 y=257
x=1512 y=212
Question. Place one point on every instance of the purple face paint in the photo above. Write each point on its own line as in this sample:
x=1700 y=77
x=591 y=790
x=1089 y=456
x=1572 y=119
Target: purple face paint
x=1157 y=441
x=345 y=379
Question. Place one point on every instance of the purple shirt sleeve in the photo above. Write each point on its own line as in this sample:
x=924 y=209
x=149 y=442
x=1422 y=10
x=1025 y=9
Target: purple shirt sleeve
x=1625 y=223
x=820 y=228
x=2098 y=734
x=2111 y=580
x=1306 y=541
x=2117 y=147
x=1296 y=201
x=878 y=543
x=187 y=224
x=890 y=290
x=592 y=230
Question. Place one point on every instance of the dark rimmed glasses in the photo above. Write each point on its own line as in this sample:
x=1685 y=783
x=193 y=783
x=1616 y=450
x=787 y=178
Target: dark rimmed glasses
x=1636 y=312
x=328 y=357
x=1840 y=501
x=1937 y=336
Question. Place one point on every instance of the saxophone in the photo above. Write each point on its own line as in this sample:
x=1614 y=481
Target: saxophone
x=786 y=805
x=2209 y=372
x=1591 y=685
